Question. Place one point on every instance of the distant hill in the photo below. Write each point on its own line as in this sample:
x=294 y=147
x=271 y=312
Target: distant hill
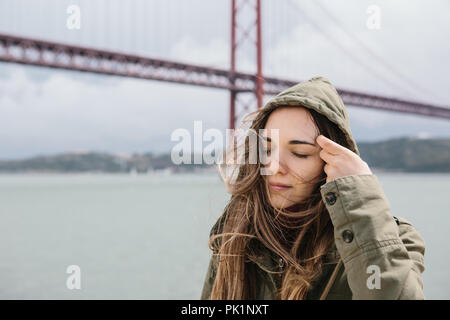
x=408 y=154
x=95 y=162
x=401 y=155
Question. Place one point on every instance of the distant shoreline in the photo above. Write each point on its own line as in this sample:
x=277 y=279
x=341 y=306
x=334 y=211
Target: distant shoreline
x=208 y=171
x=402 y=155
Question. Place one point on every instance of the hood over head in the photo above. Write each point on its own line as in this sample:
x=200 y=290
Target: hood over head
x=318 y=94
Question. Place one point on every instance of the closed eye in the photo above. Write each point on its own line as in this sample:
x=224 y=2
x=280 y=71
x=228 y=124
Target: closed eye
x=303 y=156
x=299 y=155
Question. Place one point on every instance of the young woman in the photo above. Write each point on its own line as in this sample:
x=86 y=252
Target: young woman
x=317 y=225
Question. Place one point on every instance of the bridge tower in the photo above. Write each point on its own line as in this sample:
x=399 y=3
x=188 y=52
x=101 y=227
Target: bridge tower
x=240 y=36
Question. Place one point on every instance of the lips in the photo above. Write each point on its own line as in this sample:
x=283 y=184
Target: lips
x=279 y=186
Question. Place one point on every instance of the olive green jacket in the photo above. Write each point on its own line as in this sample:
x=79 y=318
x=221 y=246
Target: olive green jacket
x=375 y=255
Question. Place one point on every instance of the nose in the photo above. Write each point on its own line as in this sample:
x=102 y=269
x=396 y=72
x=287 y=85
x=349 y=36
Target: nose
x=276 y=166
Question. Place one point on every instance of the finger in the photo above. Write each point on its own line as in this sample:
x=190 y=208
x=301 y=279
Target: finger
x=326 y=156
x=330 y=146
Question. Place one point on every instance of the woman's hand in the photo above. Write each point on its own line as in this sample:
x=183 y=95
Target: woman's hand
x=340 y=161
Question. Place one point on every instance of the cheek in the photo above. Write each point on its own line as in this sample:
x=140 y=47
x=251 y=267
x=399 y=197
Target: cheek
x=309 y=167
x=317 y=164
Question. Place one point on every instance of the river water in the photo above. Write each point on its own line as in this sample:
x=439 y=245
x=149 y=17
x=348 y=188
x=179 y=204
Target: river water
x=145 y=236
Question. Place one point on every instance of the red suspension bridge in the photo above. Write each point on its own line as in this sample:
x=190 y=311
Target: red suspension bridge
x=39 y=52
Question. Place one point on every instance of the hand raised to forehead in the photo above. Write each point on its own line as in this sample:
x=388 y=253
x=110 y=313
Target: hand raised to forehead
x=339 y=160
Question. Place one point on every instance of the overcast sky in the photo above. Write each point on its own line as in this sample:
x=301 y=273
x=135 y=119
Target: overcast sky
x=45 y=111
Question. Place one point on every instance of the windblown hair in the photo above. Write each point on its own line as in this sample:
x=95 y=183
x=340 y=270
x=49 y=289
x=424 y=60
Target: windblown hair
x=300 y=238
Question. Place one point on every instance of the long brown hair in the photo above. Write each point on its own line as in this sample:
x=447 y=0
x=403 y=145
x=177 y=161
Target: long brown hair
x=300 y=238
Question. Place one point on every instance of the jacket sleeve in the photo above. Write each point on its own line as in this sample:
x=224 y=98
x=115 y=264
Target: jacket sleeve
x=383 y=258
x=209 y=279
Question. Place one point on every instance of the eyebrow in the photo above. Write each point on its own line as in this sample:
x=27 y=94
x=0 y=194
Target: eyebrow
x=293 y=141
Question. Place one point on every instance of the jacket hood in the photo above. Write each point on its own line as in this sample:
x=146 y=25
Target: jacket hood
x=320 y=95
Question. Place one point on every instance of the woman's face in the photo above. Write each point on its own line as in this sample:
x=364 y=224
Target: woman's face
x=298 y=155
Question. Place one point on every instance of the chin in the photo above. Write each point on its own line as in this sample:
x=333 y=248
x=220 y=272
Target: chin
x=279 y=203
